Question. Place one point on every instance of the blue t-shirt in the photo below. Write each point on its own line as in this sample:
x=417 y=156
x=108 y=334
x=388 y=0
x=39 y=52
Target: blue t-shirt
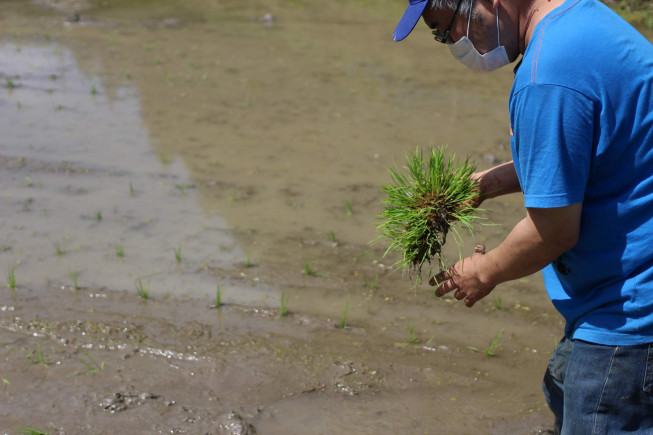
x=581 y=114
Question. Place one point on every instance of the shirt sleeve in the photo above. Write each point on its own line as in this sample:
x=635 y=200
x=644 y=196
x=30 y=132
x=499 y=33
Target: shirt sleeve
x=552 y=144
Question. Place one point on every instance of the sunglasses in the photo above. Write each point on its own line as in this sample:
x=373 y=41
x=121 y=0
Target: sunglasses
x=445 y=37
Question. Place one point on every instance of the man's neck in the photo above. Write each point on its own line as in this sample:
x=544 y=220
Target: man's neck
x=530 y=16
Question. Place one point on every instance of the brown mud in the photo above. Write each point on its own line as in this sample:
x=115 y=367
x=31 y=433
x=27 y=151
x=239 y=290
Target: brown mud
x=249 y=141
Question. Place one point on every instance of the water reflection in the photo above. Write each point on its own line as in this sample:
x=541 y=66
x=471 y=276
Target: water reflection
x=84 y=194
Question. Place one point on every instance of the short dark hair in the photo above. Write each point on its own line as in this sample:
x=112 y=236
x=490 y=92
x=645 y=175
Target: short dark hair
x=451 y=5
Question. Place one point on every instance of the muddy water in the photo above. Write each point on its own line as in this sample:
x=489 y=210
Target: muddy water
x=250 y=141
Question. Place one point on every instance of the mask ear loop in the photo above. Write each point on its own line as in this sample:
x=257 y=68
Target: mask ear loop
x=469 y=16
x=496 y=11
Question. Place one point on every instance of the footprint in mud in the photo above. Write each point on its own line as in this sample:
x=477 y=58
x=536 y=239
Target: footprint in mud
x=123 y=401
x=233 y=424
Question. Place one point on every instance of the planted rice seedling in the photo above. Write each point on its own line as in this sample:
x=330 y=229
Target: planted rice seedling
x=31 y=430
x=423 y=206
x=283 y=305
x=37 y=357
x=497 y=304
x=309 y=271
x=218 y=297
x=248 y=262
x=11 y=277
x=343 y=320
x=491 y=348
x=371 y=283
x=178 y=254
x=5 y=384
x=132 y=191
x=120 y=250
x=143 y=290
x=59 y=249
x=350 y=208
x=98 y=216
x=412 y=337
x=73 y=275
x=92 y=367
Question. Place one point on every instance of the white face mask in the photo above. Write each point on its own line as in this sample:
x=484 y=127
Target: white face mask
x=464 y=51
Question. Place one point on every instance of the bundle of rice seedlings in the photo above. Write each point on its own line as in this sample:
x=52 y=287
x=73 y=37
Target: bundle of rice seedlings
x=437 y=195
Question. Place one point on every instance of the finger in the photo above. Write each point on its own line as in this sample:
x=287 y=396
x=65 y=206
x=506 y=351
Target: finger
x=459 y=295
x=479 y=249
x=440 y=278
x=469 y=302
x=445 y=288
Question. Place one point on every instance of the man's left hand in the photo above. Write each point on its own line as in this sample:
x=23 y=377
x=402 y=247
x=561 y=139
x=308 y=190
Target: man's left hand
x=463 y=278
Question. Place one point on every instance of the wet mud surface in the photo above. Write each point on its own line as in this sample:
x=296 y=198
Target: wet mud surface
x=183 y=150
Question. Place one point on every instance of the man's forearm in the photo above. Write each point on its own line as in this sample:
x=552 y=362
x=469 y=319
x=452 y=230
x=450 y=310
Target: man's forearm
x=533 y=243
x=497 y=181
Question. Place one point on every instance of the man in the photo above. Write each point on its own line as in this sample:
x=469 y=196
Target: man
x=581 y=115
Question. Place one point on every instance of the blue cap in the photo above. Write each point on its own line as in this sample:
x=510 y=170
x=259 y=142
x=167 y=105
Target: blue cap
x=410 y=19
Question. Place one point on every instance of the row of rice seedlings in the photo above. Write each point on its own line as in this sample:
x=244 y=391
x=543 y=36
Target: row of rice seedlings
x=38 y=357
x=283 y=311
x=120 y=252
x=412 y=336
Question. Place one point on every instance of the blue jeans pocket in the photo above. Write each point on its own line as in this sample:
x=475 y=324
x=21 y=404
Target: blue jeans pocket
x=648 y=377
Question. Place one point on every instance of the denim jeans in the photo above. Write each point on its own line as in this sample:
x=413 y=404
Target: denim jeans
x=596 y=389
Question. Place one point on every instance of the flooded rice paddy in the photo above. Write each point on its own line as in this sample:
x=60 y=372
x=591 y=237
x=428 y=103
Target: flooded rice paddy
x=157 y=154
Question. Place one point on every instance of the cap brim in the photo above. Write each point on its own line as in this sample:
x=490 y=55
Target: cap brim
x=409 y=20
